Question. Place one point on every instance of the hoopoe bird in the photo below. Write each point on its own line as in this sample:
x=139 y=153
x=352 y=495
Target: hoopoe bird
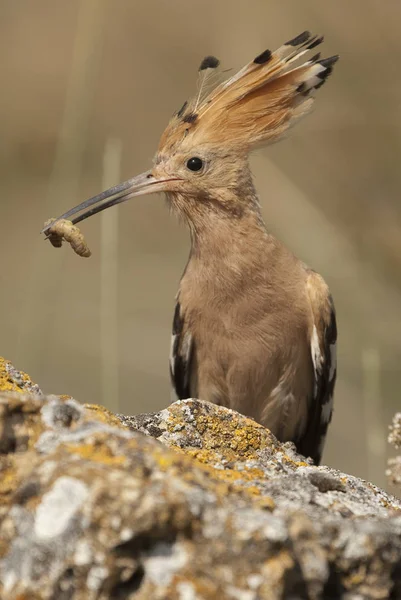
x=254 y=328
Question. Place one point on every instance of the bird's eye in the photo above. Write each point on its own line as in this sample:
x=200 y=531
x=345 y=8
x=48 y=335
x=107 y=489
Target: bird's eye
x=195 y=163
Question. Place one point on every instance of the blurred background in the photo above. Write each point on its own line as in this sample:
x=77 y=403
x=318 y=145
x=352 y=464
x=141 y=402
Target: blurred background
x=87 y=87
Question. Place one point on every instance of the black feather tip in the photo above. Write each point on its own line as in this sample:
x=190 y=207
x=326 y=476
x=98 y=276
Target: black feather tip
x=315 y=58
x=315 y=42
x=300 y=39
x=190 y=118
x=329 y=62
x=319 y=85
x=263 y=58
x=209 y=62
x=182 y=109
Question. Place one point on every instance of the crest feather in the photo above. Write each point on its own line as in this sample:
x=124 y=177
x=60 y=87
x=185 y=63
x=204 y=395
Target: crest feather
x=260 y=102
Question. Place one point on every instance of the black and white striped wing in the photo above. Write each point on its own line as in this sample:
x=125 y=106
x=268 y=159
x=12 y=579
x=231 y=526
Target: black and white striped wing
x=323 y=351
x=180 y=355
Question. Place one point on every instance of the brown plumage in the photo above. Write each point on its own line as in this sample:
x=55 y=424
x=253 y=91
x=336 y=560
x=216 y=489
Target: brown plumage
x=254 y=328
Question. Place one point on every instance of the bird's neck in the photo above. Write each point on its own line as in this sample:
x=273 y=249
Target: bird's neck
x=230 y=244
x=227 y=253
x=221 y=236
x=228 y=224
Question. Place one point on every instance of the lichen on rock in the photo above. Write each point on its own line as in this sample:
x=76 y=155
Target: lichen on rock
x=12 y=380
x=193 y=502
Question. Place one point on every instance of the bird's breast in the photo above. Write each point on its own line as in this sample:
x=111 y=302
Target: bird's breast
x=250 y=353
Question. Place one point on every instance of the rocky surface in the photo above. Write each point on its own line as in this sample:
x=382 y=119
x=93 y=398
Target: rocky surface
x=194 y=502
x=394 y=464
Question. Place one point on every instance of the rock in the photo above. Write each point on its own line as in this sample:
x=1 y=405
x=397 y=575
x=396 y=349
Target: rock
x=394 y=464
x=12 y=380
x=193 y=502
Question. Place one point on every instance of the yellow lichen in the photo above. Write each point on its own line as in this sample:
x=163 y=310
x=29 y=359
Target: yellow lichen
x=225 y=443
x=181 y=462
x=355 y=578
x=253 y=489
x=7 y=482
x=267 y=503
x=6 y=382
x=166 y=461
x=97 y=452
x=294 y=463
x=202 y=586
x=235 y=438
x=275 y=567
x=100 y=413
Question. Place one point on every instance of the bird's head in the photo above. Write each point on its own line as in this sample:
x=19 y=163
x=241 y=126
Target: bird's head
x=202 y=159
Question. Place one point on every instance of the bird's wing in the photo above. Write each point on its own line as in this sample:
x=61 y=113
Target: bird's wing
x=180 y=355
x=323 y=350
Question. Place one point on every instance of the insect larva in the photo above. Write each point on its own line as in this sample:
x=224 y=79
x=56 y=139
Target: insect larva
x=65 y=230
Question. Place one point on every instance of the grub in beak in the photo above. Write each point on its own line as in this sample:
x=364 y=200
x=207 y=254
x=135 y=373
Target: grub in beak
x=141 y=185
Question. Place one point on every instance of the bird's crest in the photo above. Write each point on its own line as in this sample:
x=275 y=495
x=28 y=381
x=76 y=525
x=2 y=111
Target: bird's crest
x=256 y=105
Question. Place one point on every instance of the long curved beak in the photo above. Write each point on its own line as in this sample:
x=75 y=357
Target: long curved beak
x=143 y=184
